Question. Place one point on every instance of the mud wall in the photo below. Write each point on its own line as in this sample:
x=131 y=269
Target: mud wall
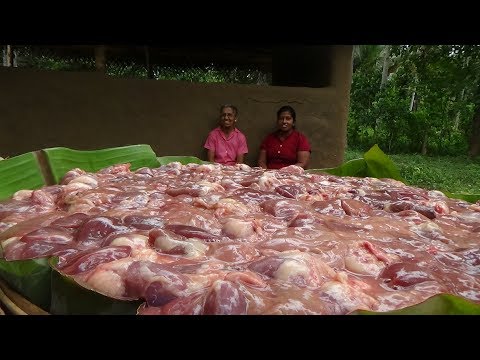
x=87 y=111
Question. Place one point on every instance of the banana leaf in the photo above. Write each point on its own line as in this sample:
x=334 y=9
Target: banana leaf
x=30 y=278
x=62 y=159
x=375 y=163
x=443 y=304
x=379 y=165
x=70 y=298
x=19 y=172
x=184 y=160
x=355 y=167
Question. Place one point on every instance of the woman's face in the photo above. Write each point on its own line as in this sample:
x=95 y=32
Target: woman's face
x=285 y=121
x=227 y=118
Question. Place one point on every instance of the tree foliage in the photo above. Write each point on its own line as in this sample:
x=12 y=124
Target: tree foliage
x=427 y=104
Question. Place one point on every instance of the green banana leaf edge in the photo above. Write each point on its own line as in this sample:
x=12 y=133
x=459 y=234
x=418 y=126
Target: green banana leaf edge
x=61 y=159
x=30 y=278
x=375 y=163
x=71 y=298
x=18 y=173
x=184 y=160
x=442 y=304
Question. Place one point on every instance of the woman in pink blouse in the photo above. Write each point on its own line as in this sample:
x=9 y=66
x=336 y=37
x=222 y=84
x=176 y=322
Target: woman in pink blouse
x=226 y=144
x=286 y=146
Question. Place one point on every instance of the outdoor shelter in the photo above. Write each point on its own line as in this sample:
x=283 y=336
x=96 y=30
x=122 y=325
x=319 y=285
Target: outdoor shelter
x=89 y=110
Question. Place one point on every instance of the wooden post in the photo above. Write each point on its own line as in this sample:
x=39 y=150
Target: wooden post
x=150 y=74
x=9 y=56
x=100 y=58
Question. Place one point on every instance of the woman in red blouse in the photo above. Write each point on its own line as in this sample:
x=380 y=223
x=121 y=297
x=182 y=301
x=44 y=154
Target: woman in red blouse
x=286 y=146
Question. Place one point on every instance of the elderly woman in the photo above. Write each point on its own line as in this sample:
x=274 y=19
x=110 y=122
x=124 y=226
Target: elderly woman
x=286 y=146
x=226 y=144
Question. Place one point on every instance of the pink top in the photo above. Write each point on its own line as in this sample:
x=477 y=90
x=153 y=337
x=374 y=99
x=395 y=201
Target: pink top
x=226 y=149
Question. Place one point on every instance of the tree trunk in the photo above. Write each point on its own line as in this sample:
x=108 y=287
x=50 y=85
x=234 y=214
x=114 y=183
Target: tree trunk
x=413 y=102
x=474 y=149
x=456 y=122
x=424 y=144
x=386 y=65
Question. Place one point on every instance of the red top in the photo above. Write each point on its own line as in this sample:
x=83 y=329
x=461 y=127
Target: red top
x=284 y=153
x=226 y=149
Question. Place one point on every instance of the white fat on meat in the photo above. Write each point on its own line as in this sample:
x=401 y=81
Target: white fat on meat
x=292 y=306
x=242 y=167
x=469 y=218
x=432 y=232
x=8 y=241
x=85 y=179
x=205 y=168
x=436 y=194
x=303 y=269
x=427 y=227
x=366 y=265
x=229 y=206
x=208 y=187
x=175 y=285
x=317 y=196
x=292 y=169
x=238 y=228
x=208 y=202
x=73 y=190
x=147 y=254
x=77 y=186
x=190 y=248
x=22 y=194
x=174 y=165
x=348 y=298
x=229 y=184
x=360 y=192
x=140 y=247
x=108 y=278
x=290 y=268
x=268 y=181
x=364 y=258
x=135 y=241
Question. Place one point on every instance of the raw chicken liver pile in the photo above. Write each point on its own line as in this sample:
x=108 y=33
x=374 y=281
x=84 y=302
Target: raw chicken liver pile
x=210 y=239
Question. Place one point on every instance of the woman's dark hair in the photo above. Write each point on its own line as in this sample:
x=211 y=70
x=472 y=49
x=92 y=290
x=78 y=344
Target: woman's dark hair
x=233 y=107
x=289 y=109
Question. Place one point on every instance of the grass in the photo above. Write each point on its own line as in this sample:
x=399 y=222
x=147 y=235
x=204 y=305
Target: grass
x=446 y=173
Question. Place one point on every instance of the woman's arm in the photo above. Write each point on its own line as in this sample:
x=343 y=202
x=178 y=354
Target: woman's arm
x=211 y=155
x=302 y=158
x=240 y=158
x=242 y=149
x=262 y=159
